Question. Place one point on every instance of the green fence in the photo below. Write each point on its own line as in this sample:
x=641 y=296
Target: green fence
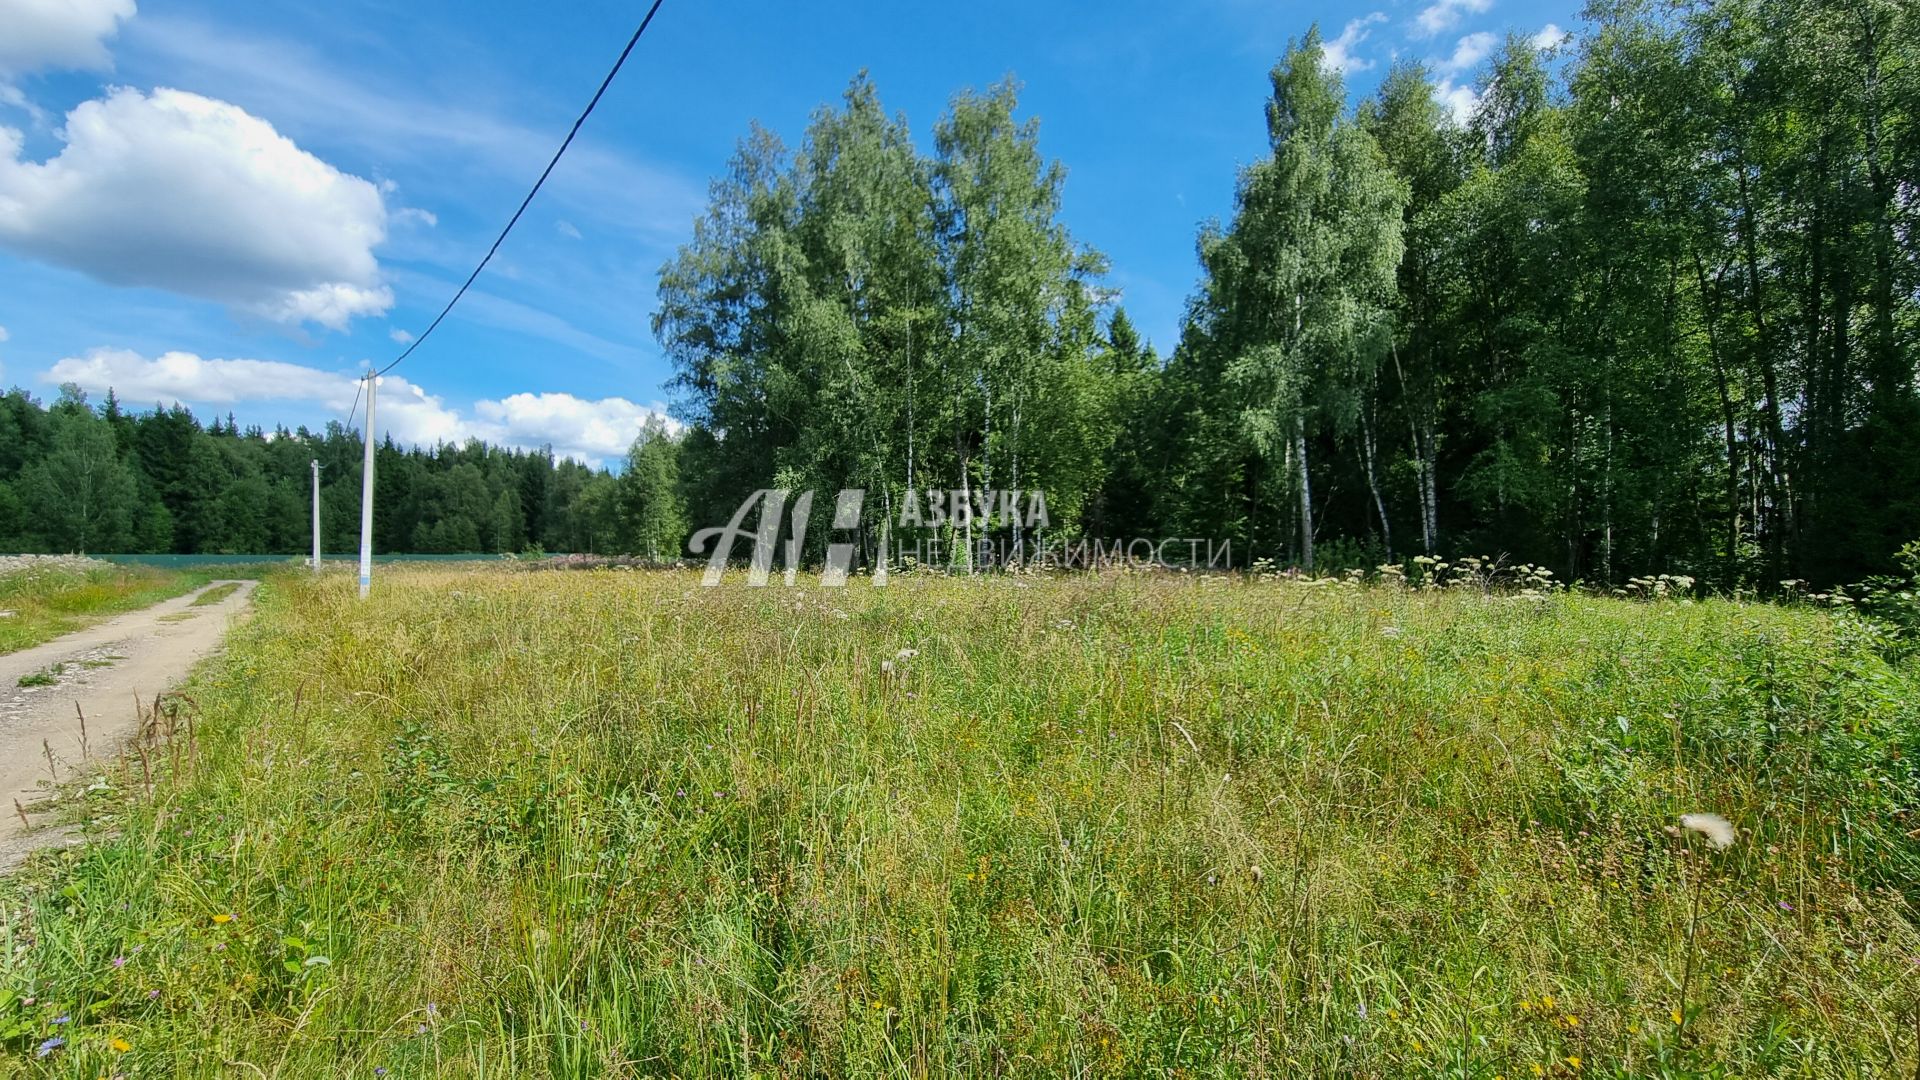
x=188 y=562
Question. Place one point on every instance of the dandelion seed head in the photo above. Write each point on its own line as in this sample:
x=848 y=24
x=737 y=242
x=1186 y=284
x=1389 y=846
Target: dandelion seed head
x=1718 y=830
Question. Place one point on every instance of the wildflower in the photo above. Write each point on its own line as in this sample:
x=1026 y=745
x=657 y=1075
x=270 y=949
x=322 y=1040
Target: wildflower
x=1784 y=906
x=1717 y=830
x=1573 y=1021
x=120 y=1046
x=62 y=1019
x=119 y=961
x=1677 y=1018
x=1537 y=1070
x=51 y=1045
x=906 y=654
x=1573 y=1062
x=222 y=918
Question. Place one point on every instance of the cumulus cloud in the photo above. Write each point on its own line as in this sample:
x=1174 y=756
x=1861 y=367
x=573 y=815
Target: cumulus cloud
x=1445 y=14
x=399 y=336
x=44 y=35
x=1550 y=36
x=1337 y=55
x=1468 y=52
x=181 y=192
x=184 y=377
x=1460 y=101
x=594 y=431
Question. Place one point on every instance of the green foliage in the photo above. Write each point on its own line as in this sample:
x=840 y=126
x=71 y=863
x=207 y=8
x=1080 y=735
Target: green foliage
x=1895 y=599
x=74 y=478
x=1647 y=308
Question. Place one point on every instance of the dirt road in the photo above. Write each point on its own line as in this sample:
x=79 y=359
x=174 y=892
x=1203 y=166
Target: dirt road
x=100 y=669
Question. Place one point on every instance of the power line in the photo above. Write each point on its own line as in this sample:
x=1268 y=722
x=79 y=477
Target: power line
x=588 y=111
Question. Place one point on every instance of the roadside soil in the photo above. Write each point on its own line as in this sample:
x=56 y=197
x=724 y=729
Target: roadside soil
x=99 y=672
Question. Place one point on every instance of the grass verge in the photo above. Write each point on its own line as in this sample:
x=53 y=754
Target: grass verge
x=215 y=595
x=47 y=601
x=616 y=824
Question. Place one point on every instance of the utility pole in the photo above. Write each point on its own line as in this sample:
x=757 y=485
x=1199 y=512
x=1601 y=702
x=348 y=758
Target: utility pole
x=366 y=497
x=316 y=515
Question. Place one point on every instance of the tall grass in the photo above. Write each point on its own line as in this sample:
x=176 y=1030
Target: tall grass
x=45 y=600
x=614 y=824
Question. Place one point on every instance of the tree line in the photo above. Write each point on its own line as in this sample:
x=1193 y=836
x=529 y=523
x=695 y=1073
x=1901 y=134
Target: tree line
x=102 y=479
x=1650 y=306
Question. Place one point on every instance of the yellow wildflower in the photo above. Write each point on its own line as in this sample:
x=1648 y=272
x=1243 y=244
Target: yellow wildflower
x=120 y=1046
x=223 y=917
x=1573 y=1062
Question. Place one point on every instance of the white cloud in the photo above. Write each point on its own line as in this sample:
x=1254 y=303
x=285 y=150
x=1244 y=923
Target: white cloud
x=1445 y=14
x=58 y=34
x=303 y=91
x=3 y=333
x=1468 y=52
x=1459 y=101
x=184 y=377
x=567 y=229
x=1337 y=55
x=1549 y=36
x=413 y=215
x=182 y=192
x=399 y=336
x=590 y=430
x=595 y=431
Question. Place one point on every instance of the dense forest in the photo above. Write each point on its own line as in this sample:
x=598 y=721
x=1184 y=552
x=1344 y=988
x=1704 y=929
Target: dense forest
x=1649 y=307
x=75 y=477
x=1651 y=304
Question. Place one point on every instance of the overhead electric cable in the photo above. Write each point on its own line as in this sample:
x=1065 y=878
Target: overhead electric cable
x=548 y=171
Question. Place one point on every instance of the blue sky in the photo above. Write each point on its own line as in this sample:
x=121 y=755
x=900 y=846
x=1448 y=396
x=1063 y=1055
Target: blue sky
x=238 y=205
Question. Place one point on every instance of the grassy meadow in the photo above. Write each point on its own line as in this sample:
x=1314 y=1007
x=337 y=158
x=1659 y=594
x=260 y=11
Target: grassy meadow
x=500 y=823
x=45 y=597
